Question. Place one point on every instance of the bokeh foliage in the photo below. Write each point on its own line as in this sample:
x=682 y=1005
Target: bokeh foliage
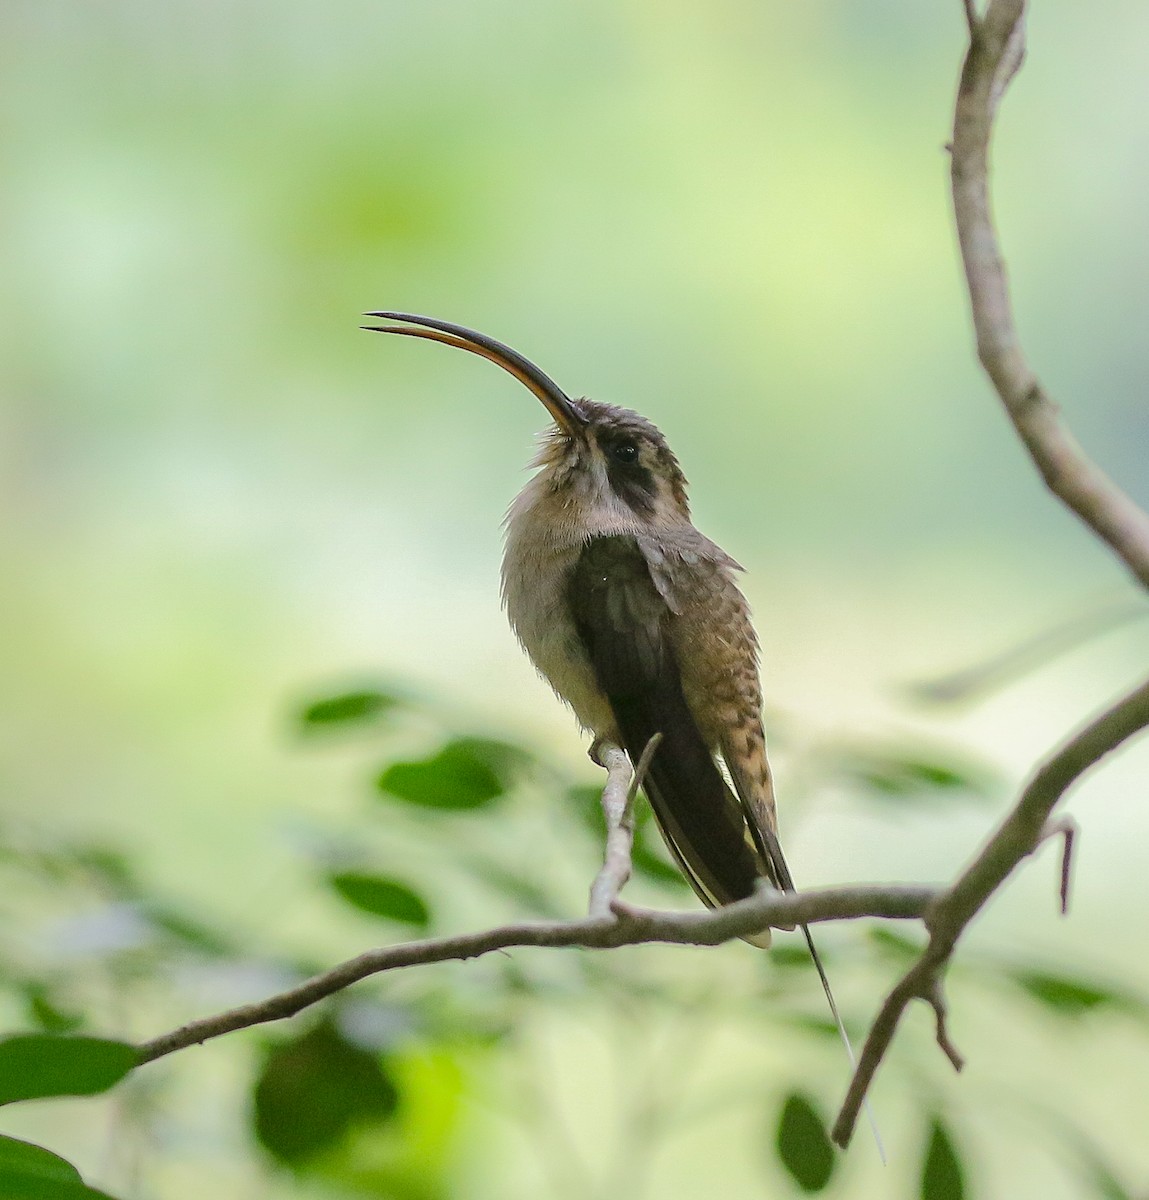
x=214 y=490
x=369 y=1094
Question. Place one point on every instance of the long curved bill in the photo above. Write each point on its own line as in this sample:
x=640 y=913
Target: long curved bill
x=557 y=402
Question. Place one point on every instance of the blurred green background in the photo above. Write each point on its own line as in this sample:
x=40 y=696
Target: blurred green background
x=219 y=500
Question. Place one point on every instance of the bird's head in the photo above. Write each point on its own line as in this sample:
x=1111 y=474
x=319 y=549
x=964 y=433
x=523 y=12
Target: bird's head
x=596 y=455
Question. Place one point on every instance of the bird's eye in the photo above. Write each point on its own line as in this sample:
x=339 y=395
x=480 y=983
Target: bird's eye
x=624 y=452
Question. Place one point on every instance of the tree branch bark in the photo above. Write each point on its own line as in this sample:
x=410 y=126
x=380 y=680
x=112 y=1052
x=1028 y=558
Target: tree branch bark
x=996 y=49
x=609 y=924
x=1019 y=835
x=997 y=44
x=618 y=798
x=623 y=926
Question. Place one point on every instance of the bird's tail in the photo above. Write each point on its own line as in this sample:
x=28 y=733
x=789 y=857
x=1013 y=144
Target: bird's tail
x=771 y=849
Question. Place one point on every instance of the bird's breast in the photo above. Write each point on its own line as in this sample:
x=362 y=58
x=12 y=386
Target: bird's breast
x=540 y=556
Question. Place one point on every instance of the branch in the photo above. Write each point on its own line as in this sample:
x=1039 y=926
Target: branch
x=996 y=50
x=626 y=926
x=997 y=44
x=610 y=924
x=1024 y=829
x=618 y=798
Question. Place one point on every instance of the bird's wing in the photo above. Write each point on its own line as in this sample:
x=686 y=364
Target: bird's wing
x=623 y=601
x=622 y=618
x=741 y=739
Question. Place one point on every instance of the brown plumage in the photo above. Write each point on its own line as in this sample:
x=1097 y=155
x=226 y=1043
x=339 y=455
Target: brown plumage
x=635 y=620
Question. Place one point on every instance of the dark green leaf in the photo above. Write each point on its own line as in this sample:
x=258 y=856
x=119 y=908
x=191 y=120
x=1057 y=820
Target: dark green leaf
x=381 y=897
x=1072 y=997
x=33 y=1065
x=1060 y=994
x=348 y=707
x=21 y=1185
x=466 y=773
x=941 y=1172
x=29 y=1172
x=30 y=1159
x=803 y=1146
x=313 y=1090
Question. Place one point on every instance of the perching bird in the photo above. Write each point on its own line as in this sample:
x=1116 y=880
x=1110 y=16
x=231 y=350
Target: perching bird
x=635 y=620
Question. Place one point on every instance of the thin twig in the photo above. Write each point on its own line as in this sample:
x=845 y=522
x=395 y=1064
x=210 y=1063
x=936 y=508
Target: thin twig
x=618 y=810
x=633 y=927
x=1066 y=829
x=996 y=49
x=1019 y=835
x=936 y=998
x=995 y=52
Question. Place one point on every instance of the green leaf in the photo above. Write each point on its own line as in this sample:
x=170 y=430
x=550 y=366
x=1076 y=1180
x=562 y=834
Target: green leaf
x=897 y=945
x=381 y=897
x=44 y=1010
x=20 y=1186
x=893 y=774
x=30 y=1159
x=803 y=1146
x=819 y=1026
x=348 y=708
x=586 y=800
x=788 y=955
x=29 y=1172
x=313 y=1090
x=35 y=1065
x=415 y=1155
x=941 y=1172
x=653 y=866
x=1072 y=997
x=467 y=773
x=1061 y=994
x=111 y=867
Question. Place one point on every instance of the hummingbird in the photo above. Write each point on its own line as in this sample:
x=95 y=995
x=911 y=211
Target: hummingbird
x=635 y=620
